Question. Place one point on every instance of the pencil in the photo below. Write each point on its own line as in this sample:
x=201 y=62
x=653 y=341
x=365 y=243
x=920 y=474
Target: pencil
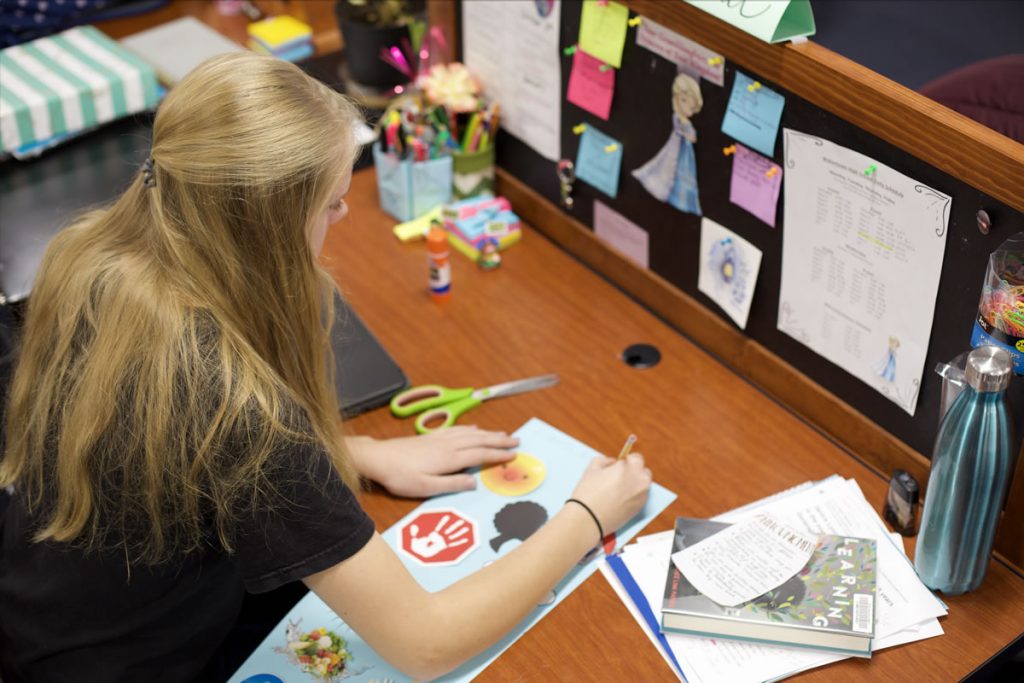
x=627 y=447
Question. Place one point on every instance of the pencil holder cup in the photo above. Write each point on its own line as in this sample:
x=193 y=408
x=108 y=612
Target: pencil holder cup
x=473 y=173
x=408 y=189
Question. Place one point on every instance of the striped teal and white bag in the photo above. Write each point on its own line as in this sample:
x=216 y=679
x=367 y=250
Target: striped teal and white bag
x=60 y=85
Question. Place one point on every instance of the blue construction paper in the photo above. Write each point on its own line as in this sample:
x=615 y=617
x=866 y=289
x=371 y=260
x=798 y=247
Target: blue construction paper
x=638 y=598
x=597 y=166
x=753 y=117
x=565 y=459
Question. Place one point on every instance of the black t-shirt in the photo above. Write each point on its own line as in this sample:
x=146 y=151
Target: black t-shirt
x=66 y=615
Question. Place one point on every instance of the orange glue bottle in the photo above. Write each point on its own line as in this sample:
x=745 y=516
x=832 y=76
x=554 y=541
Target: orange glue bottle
x=440 y=266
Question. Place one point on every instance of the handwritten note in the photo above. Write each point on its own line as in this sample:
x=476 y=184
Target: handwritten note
x=753 y=114
x=603 y=31
x=693 y=57
x=770 y=20
x=598 y=161
x=621 y=233
x=746 y=560
x=728 y=270
x=589 y=87
x=756 y=181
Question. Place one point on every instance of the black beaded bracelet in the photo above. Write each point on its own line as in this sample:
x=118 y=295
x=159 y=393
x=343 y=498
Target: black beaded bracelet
x=590 y=512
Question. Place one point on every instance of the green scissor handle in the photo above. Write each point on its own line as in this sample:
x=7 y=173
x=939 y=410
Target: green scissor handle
x=412 y=401
x=447 y=414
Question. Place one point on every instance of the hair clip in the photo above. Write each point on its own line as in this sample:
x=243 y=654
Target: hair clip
x=148 y=175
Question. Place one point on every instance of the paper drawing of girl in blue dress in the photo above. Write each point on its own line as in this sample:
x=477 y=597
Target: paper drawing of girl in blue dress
x=886 y=368
x=671 y=175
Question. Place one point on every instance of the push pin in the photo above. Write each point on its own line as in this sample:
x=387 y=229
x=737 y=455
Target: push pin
x=604 y=67
x=571 y=50
x=870 y=170
x=770 y=173
x=754 y=87
x=611 y=148
x=602 y=3
x=714 y=61
x=635 y=21
x=984 y=222
x=566 y=177
x=729 y=151
x=579 y=128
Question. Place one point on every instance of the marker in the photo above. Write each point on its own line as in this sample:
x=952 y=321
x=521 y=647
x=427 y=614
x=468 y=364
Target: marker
x=627 y=447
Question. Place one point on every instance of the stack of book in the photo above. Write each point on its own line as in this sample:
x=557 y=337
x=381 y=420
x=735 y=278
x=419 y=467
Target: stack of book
x=284 y=37
x=826 y=612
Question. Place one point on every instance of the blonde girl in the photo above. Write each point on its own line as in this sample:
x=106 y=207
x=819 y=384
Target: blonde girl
x=172 y=433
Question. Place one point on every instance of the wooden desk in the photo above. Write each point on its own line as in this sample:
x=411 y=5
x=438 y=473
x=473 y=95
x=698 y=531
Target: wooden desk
x=707 y=434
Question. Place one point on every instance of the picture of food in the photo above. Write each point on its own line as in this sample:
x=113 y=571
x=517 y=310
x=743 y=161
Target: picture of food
x=320 y=653
x=517 y=477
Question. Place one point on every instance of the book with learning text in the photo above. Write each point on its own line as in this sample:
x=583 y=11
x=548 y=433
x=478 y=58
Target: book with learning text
x=827 y=605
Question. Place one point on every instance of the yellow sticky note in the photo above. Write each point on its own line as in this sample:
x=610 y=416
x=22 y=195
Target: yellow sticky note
x=281 y=30
x=417 y=227
x=603 y=31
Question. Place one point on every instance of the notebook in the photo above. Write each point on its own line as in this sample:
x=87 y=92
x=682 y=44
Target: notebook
x=164 y=47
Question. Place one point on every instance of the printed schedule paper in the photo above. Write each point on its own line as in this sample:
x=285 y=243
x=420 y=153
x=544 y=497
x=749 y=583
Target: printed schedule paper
x=861 y=257
x=512 y=47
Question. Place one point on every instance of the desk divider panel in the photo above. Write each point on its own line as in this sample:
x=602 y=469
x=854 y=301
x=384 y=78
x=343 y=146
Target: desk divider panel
x=826 y=96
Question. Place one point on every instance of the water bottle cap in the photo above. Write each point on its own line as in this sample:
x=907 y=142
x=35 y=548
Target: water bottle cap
x=989 y=368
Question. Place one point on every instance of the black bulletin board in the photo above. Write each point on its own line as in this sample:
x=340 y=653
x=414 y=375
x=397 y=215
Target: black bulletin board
x=641 y=120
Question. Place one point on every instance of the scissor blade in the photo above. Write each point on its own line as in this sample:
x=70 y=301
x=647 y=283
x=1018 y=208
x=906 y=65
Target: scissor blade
x=516 y=387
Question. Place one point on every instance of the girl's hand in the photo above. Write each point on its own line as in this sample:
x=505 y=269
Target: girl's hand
x=614 y=489
x=431 y=464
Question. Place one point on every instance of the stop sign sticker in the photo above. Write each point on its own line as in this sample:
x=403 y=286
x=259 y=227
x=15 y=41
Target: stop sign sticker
x=439 y=537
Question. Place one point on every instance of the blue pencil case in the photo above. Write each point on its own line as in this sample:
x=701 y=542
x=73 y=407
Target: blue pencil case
x=408 y=189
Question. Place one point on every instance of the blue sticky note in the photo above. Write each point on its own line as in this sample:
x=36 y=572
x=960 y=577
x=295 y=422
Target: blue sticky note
x=753 y=116
x=595 y=164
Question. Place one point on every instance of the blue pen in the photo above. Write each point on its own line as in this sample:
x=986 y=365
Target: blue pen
x=622 y=572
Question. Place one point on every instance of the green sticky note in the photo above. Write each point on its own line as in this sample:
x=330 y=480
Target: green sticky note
x=773 y=21
x=603 y=31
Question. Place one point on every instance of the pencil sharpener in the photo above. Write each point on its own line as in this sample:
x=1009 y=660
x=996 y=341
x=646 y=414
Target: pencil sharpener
x=901 y=503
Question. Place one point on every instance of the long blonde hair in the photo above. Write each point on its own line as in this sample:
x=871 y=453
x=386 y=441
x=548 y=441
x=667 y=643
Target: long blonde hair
x=177 y=340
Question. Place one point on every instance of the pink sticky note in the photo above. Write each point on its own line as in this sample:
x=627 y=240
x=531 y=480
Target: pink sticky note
x=755 y=185
x=589 y=87
x=621 y=233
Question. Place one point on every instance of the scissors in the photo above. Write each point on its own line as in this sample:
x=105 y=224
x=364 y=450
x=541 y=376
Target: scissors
x=445 y=405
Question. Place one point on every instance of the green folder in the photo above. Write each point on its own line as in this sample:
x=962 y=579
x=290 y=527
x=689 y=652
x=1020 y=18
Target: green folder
x=773 y=21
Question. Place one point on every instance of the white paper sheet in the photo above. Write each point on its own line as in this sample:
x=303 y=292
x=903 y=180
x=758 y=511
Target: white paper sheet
x=861 y=258
x=837 y=506
x=613 y=581
x=746 y=560
x=706 y=660
x=512 y=47
x=729 y=266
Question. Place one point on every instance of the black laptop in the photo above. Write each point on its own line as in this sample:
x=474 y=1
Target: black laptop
x=38 y=197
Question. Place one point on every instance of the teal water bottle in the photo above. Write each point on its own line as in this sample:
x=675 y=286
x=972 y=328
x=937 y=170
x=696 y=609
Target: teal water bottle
x=970 y=473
